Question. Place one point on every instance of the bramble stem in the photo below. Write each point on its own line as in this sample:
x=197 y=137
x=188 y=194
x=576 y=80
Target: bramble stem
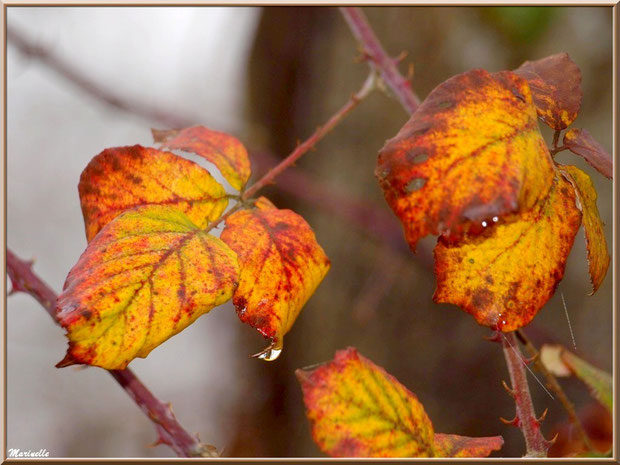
x=526 y=420
x=309 y=143
x=379 y=60
x=169 y=430
x=552 y=383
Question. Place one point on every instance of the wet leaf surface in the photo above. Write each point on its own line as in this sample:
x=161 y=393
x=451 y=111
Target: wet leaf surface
x=472 y=151
x=281 y=266
x=505 y=275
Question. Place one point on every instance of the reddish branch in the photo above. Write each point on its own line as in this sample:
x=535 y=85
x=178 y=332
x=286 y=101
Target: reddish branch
x=552 y=383
x=309 y=143
x=525 y=417
x=379 y=60
x=169 y=430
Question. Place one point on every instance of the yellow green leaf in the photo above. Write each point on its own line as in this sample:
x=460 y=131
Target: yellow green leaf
x=555 y=82
x=281 y=266
x=121 y=178
x=563 y=362
x=505 y=275
x=452 y=445
x=146 y=276
x=598 y=257
x=223 y=150
x=472 y=151
x=356 y=409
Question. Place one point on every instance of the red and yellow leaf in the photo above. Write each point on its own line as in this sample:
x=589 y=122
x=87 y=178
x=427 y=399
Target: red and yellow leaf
x=472 y=151
x=555 y=82
x=281 y=266
x=452 y=445
x=356 y=409
x=505 y=275
x=126 y=177
x=146 y=276
x=224 y=151
x=580 y=142
x=598 y=257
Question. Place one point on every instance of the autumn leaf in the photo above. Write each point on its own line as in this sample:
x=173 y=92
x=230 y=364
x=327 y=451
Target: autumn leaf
x=146 y=276
x=505 y=275
x=281 y=266
x=126 y=177
x=224 y=151
x=356 y=409
x=471 y=152
x=598 y=257
x=562 y=362
x=580 y=142
x=555 y=82
x=452 y=445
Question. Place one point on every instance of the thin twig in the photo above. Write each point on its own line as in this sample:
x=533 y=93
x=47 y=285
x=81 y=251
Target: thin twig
x=552 y=383
x=309 y=143
x=169 y=430
x=81 y=80
x=525 y=418
x=379 y=59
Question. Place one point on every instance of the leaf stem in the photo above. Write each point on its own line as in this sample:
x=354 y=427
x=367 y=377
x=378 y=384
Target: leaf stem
x=379 y=60
x=169 y=430
x=525 y=419
x=553 y=384
x=354 y=101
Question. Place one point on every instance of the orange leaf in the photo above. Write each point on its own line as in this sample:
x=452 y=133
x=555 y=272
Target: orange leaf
x=452 y=445
x=125 y=177
x=356 y=409
x=146 y=276
x=224 y=151
x=598 y=257
x=281 y=266
x=580 y=142
x=505 y=275
x=555 y=82
x=472 y=151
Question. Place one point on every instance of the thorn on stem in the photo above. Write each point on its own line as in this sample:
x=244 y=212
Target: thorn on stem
x=513 y=422
x=495 y=337
x=541 y=418
x=400 y=57
x=552 y=441
x=511 y=392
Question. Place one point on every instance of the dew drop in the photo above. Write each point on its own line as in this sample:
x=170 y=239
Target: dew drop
x=495 y=219
x=484 y=224
x=270 y=353
x=417 y=157
x=416 y=184
x=471 y=260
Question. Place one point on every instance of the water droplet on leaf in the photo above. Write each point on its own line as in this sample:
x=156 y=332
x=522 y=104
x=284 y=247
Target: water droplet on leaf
x=272 y=352
x=416 y=184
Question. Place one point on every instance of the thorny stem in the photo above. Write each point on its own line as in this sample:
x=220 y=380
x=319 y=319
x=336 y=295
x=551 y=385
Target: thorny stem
x=379 y=60
x=309 y=143
x=553 y=384
x=525 y=419
x=169 y=430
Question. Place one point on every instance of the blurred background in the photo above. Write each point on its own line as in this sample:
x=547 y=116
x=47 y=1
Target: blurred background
x=83 y=79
